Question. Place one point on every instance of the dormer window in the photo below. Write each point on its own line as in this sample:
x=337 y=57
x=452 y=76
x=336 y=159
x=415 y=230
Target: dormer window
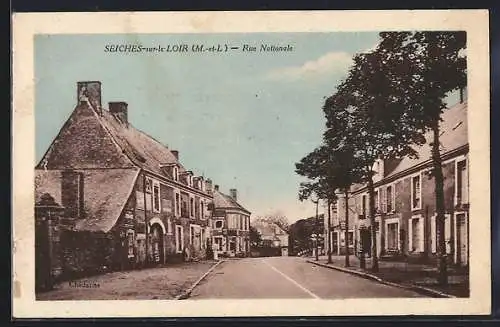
x=175 y=174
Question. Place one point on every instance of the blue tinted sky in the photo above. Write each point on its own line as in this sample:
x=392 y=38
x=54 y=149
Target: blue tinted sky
x=242 y=119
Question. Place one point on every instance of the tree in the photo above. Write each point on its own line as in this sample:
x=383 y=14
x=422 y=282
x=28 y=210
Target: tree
x=427 y=66
x=363 y=116
x=328 y=169
x=277 y=218
x=255 y=237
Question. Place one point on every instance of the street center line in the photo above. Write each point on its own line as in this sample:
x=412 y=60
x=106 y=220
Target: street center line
x=292 y=280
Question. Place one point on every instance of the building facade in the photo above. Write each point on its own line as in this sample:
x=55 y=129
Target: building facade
x=273 y=236
x=405 y=208
x=230 y=224
x=127 y=200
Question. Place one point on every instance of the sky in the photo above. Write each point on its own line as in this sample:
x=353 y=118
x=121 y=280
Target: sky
x=242 y=119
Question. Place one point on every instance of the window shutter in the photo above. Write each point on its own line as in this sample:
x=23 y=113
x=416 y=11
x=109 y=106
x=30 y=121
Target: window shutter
x=421 y=234
x=410 y=235
x=447 y=233
x=433 y=234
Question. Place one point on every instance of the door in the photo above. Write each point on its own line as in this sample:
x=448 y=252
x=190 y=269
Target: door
x=156 y=244
x=462 y=240
x=335 y=243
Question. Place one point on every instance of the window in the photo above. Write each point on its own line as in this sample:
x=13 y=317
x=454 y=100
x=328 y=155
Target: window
x=388 y=198
x=156 y=196
x=192 y=233
x=363 y=210
x=218 y=224
x=130 y=242
x=416 y=234
x=191 y=207
x=177 y=204
x=376 y=201
x=447 y=234
x=197 y=208
x=149 y=183
x=179 y=239
x=415 y=192
x=392 y=235
x=462 y=187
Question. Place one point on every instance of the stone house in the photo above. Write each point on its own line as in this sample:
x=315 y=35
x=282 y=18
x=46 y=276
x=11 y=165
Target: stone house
x=405 y=199
x=230 y=224
x=126 y=199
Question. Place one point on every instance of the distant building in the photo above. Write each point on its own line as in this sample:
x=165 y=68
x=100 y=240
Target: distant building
x=126 y=199
x=272 y=235
x=230 y=224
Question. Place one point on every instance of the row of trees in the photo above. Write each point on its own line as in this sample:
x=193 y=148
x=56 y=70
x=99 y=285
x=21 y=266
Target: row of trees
x=391 y=97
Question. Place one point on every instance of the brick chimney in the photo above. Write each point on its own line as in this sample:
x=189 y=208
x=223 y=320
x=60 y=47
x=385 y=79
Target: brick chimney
x=90 y=91
x=175 y=153
x=72 y=195
x=119 y=109
x=234 y=194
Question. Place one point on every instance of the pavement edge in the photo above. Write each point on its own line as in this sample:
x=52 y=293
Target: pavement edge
x=419 y=289
x=186 y=294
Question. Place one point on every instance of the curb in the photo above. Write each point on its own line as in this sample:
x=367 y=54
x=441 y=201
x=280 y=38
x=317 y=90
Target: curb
x=418 y=289
x=186 y=294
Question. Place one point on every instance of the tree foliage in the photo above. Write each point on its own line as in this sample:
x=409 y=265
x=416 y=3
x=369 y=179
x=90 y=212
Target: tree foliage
x=255 y=237
x=389 y=99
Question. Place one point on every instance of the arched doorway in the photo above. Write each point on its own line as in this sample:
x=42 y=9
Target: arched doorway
x=156 y=235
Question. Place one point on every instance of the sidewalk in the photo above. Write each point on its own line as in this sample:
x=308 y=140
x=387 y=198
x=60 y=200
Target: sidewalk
x=162 y=283
x=419 y=276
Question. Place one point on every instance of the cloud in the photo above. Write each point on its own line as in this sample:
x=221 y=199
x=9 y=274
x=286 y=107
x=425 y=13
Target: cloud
x=330 y=63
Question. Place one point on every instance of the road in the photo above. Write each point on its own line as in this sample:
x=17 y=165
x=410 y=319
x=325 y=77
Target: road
x=289 y=278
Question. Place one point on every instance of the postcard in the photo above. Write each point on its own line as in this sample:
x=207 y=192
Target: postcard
x=225 y=164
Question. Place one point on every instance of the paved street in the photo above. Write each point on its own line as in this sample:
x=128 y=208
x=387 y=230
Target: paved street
x=288 y=277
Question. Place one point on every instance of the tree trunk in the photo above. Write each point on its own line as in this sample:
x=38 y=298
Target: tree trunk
x=316 y=240
x=440 y=210
x=371 y=205
x=329 y=238
x=346 y=192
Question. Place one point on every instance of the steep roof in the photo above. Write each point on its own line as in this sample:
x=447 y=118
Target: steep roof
x=222 y=200
x=97 y=140
x=453 y=136
x=141 y=148
x=106 y=192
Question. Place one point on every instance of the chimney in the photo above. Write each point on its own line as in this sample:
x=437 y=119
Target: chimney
x=233 y=193
x=216 y=187
x=119 y=109
x=72 y=196
x=90 y=91
x=175 y=153
x=208 y=185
